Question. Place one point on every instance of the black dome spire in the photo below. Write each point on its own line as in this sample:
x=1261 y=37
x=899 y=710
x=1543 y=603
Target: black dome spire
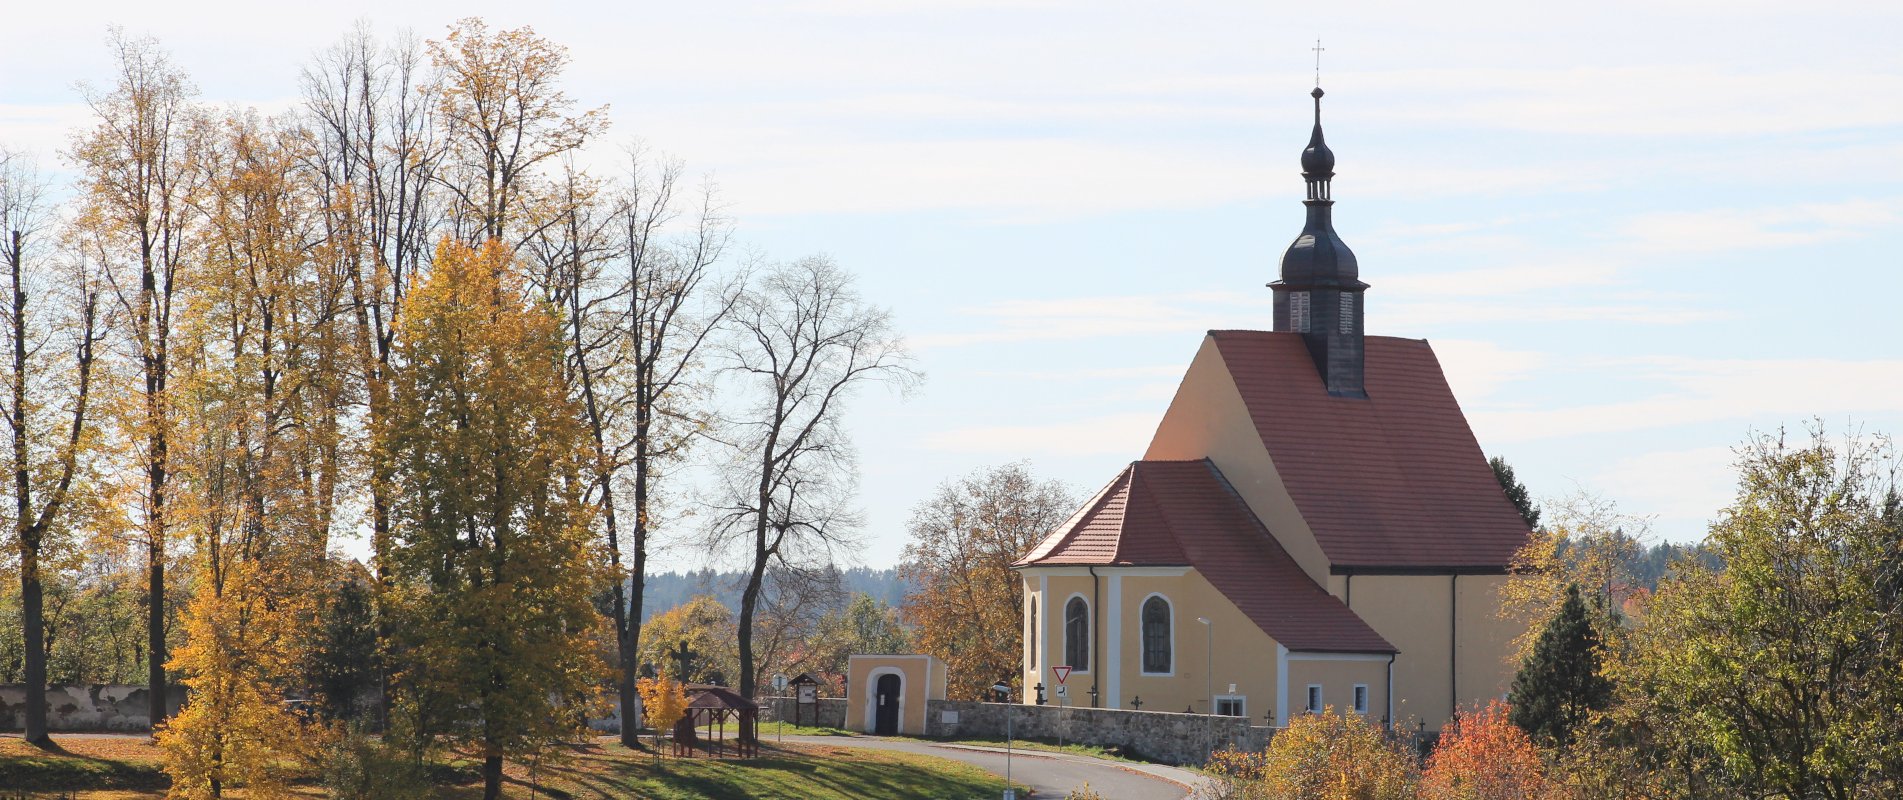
x=1318 y=162
x=1320 y=291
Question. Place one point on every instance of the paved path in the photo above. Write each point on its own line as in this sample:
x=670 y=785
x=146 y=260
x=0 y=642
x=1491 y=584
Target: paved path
x=1050 y=775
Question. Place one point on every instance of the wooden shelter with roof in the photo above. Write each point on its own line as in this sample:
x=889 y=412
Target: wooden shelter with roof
x=1313 y=526
x=712 y=707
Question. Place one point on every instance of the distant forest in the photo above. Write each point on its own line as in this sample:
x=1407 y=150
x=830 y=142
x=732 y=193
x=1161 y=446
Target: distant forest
x=669 y=589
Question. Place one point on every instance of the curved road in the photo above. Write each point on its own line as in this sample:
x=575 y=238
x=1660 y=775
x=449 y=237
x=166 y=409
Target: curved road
x=1050 y=775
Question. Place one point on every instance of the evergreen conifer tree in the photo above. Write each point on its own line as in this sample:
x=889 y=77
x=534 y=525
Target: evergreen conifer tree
x=1516 y=491
x=1559 y=684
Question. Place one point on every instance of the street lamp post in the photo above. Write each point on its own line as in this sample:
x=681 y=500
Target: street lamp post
x=1004 y=696
x=1209 y=691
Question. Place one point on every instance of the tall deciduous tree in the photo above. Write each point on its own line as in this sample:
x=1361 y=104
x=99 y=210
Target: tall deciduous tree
x=1785 y=668
x=1561 y=684
x=492 y=550
x=505 y=118
x=252 y=464
x=803 y=343
x=967 y=601
x=49 y=388
x=641 y=307
x=139 y=166
x=373 y=153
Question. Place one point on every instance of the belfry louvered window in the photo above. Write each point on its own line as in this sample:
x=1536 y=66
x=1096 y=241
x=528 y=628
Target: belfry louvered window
x=1298 y=312
x=1156 y=635
x=1077 y=634
x=1347 y=313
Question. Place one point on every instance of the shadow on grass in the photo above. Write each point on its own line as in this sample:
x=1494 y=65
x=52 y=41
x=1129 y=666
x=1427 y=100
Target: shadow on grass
x=51 y=767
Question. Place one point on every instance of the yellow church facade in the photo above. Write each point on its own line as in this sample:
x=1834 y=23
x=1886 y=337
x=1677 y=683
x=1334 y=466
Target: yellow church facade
x=1313 y=526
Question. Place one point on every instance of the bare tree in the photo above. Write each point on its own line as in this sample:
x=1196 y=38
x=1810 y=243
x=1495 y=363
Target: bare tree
x=372 y=147
x=139 y=165
x=45 y=455
x=636 y=336
x=804 y=342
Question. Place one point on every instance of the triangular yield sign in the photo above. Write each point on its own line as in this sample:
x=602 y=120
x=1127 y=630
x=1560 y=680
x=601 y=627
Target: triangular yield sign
x=1062 y=673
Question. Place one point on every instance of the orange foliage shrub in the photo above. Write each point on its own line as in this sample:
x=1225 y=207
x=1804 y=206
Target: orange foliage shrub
x=1482 y=756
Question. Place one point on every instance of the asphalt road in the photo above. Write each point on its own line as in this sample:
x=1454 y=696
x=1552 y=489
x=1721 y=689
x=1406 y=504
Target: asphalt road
x=1050 y=775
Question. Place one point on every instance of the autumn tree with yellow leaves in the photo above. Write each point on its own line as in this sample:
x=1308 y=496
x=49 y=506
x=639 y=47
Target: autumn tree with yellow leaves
x=665 y=702
x=491 y=559
x=967 y=603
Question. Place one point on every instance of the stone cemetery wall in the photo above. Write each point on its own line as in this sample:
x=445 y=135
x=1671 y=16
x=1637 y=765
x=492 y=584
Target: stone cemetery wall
x=1153 y=735
x=831 y=711
x=94 y=707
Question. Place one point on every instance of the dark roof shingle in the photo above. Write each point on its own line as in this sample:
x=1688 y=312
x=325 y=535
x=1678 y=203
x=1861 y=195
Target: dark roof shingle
x=1184 y=513
x=1392 y=481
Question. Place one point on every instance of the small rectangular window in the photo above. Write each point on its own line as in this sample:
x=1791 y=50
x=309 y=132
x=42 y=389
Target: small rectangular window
x=1298 y=312
x=1361 y=698
x=1231 y=706
x=1314 y=698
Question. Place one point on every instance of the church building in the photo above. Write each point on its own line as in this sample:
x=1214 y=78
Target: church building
x=1313 y=527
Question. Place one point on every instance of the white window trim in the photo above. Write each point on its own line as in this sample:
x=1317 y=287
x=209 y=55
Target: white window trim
x=1361 y=698
x=1242 y=700
x=1142 y=641
x=1314 y=700
x=1090 y=627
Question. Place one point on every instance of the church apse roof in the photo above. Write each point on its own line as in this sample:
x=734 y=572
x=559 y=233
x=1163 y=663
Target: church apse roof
x=1393 y=482
x=1184 y=513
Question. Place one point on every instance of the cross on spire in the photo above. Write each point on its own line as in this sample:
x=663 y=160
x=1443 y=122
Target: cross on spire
x=1318 y=48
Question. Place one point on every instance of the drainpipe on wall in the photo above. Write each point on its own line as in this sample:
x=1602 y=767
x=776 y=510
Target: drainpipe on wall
x=1096 y=638
x=1391 y=691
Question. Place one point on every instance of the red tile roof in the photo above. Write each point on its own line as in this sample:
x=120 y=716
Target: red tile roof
x=1184 y=513
x=1394 y=481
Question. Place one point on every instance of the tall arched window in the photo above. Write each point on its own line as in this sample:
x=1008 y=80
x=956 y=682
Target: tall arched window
x=1034 y=634
x=1077 y=634
x=1156 y=635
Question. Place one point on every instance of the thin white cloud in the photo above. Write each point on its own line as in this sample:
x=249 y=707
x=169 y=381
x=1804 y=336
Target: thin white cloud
x=1682 y=487
x=1091 y=318
x=1099 y=435
x=1476 y=369
x=1756 y=229
x=1763 y=392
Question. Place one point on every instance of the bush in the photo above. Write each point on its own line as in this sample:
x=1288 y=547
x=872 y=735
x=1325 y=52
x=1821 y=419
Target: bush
x=1324 y=756
x=357 y=766
x=1484 y=756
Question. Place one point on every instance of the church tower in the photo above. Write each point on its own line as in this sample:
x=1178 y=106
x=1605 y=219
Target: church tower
x=1320 y=292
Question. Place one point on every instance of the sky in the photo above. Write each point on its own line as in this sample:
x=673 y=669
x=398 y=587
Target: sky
x=1634 y=232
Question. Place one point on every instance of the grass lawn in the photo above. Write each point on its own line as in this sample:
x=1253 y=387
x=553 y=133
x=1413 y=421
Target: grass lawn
x=127 y=769
x=773 y=728
x=1048 y=746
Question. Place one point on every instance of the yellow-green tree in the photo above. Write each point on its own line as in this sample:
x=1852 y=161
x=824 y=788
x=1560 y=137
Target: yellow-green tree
x=705 y=627
x=1780 y=675
x=139 y=167
x=491 y=559
x=248 y=469
x=665 y=702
